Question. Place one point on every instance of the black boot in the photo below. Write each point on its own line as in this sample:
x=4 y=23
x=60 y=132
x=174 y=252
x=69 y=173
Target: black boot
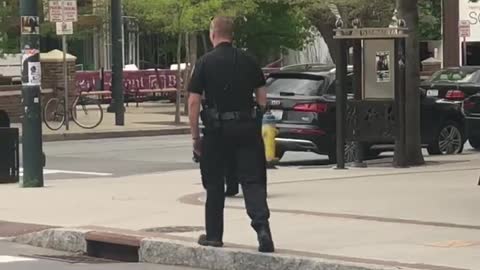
x=265 y=240
x=203 y=241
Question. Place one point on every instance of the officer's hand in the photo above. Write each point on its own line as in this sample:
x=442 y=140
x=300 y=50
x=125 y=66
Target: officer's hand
x=197 y=146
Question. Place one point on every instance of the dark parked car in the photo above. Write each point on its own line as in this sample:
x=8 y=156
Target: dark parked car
x=454 y=83
x=471 y=107
x=302 y=99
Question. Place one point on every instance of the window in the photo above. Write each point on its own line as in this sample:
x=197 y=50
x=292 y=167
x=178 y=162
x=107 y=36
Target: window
x=458 y=76
x=349 y=84
x=298 y=86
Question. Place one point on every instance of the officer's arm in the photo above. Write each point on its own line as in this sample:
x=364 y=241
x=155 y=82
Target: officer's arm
x=194 y=103
x=261 y=96
x=195 y=89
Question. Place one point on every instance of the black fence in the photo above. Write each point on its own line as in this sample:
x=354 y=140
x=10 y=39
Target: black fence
x=371 y=121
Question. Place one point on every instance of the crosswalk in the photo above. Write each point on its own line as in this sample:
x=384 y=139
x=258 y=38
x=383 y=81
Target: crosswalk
x=15 y=259
x=50 y=171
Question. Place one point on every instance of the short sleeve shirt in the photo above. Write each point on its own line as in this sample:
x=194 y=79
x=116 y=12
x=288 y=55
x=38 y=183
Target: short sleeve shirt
x=227 y=77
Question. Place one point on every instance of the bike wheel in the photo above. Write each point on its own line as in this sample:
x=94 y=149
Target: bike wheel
x=54 y=114
x=87 y=113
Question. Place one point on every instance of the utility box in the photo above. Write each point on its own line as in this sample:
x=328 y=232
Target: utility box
x=9 y=151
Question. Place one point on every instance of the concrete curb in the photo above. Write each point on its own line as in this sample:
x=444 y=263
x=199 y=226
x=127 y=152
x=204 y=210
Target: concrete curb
x=114 y=134
x=171 y=252
x=70 y=240
x=182 y=253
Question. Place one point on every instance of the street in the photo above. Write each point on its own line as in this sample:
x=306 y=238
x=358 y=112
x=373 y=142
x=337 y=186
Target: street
x=133 y=156
x=21 y=257
x=141 y=155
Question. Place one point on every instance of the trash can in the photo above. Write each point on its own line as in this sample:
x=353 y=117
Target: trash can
x=4 y=119
x=9 y=151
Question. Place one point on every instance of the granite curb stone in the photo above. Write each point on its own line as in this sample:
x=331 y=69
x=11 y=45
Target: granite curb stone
x=181 y=253
x=63 y=239
x=160 y=251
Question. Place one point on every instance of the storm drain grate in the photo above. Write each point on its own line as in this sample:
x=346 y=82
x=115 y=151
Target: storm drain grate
x=72 y=259
x=175 y=229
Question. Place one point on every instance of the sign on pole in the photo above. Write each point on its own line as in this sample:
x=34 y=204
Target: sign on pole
x=64 y=28
x=67 y=14
x=464 y=29
x=464 y=32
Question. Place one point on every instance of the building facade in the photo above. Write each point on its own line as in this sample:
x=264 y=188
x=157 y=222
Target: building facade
x=458 y=11
x=92 y=40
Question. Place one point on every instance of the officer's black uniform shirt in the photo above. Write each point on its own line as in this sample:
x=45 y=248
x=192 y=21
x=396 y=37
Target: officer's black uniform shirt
x=217 y=69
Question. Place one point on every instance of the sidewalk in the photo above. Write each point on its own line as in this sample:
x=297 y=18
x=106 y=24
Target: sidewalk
x=149 y=119
x=416 y=218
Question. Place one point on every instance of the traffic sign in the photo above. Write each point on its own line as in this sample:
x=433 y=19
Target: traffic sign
x=464 y=29
x=64 y=28
x=62 y=11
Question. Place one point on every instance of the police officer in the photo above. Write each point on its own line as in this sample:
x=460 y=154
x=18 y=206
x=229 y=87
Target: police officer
x=232 y=137
x=231 y=180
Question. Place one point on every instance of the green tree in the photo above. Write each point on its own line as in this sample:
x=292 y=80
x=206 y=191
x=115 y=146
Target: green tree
x=272 y=27
x=371 y=13
x=430 y=19
x=408 y=10
x=183 y=18
x=9 y=28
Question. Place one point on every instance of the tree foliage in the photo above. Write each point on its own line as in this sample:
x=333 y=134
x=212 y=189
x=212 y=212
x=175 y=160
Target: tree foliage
x=430 y=19
x=263 y=26
x=9 y=35
x=183 y=16
x=273 y=26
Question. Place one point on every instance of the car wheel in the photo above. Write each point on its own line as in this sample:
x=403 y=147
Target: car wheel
x=475 y=142
x=449 y=141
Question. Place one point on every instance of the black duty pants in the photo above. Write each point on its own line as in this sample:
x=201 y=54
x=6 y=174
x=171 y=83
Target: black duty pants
x=240 y=144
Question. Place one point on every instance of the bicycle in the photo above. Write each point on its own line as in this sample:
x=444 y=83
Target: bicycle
x=86 y=112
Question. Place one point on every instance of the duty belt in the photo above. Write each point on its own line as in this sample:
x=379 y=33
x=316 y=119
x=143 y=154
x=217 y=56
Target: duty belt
x=229 y=116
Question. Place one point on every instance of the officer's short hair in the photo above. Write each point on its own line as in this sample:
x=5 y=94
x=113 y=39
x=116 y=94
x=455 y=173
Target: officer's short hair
x=223 y=26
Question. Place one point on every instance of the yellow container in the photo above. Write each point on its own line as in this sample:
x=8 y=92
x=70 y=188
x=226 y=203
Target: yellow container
x=269 y=132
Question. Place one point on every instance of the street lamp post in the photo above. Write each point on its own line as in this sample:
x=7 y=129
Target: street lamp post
x=117 y=62
x=33 y=159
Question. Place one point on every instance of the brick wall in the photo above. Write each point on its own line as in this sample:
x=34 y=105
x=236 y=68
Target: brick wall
x=52 y=77
x=11 y=101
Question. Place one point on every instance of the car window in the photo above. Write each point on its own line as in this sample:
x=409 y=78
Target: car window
x=299 y=86
x=349 y=84
x=458 y=76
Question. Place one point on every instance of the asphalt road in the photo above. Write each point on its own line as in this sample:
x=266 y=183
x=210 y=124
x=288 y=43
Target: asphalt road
x=141 y=155
x=132 y=156
x=21 y=257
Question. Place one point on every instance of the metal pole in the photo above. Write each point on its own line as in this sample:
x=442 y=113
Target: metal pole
x=464 y=51
x=341 y=101
x=400 y=159
x=65 y=71
x=33 y=159
x=138 y=45
x=123 y=39
x=117 y=63
x=358 y=87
